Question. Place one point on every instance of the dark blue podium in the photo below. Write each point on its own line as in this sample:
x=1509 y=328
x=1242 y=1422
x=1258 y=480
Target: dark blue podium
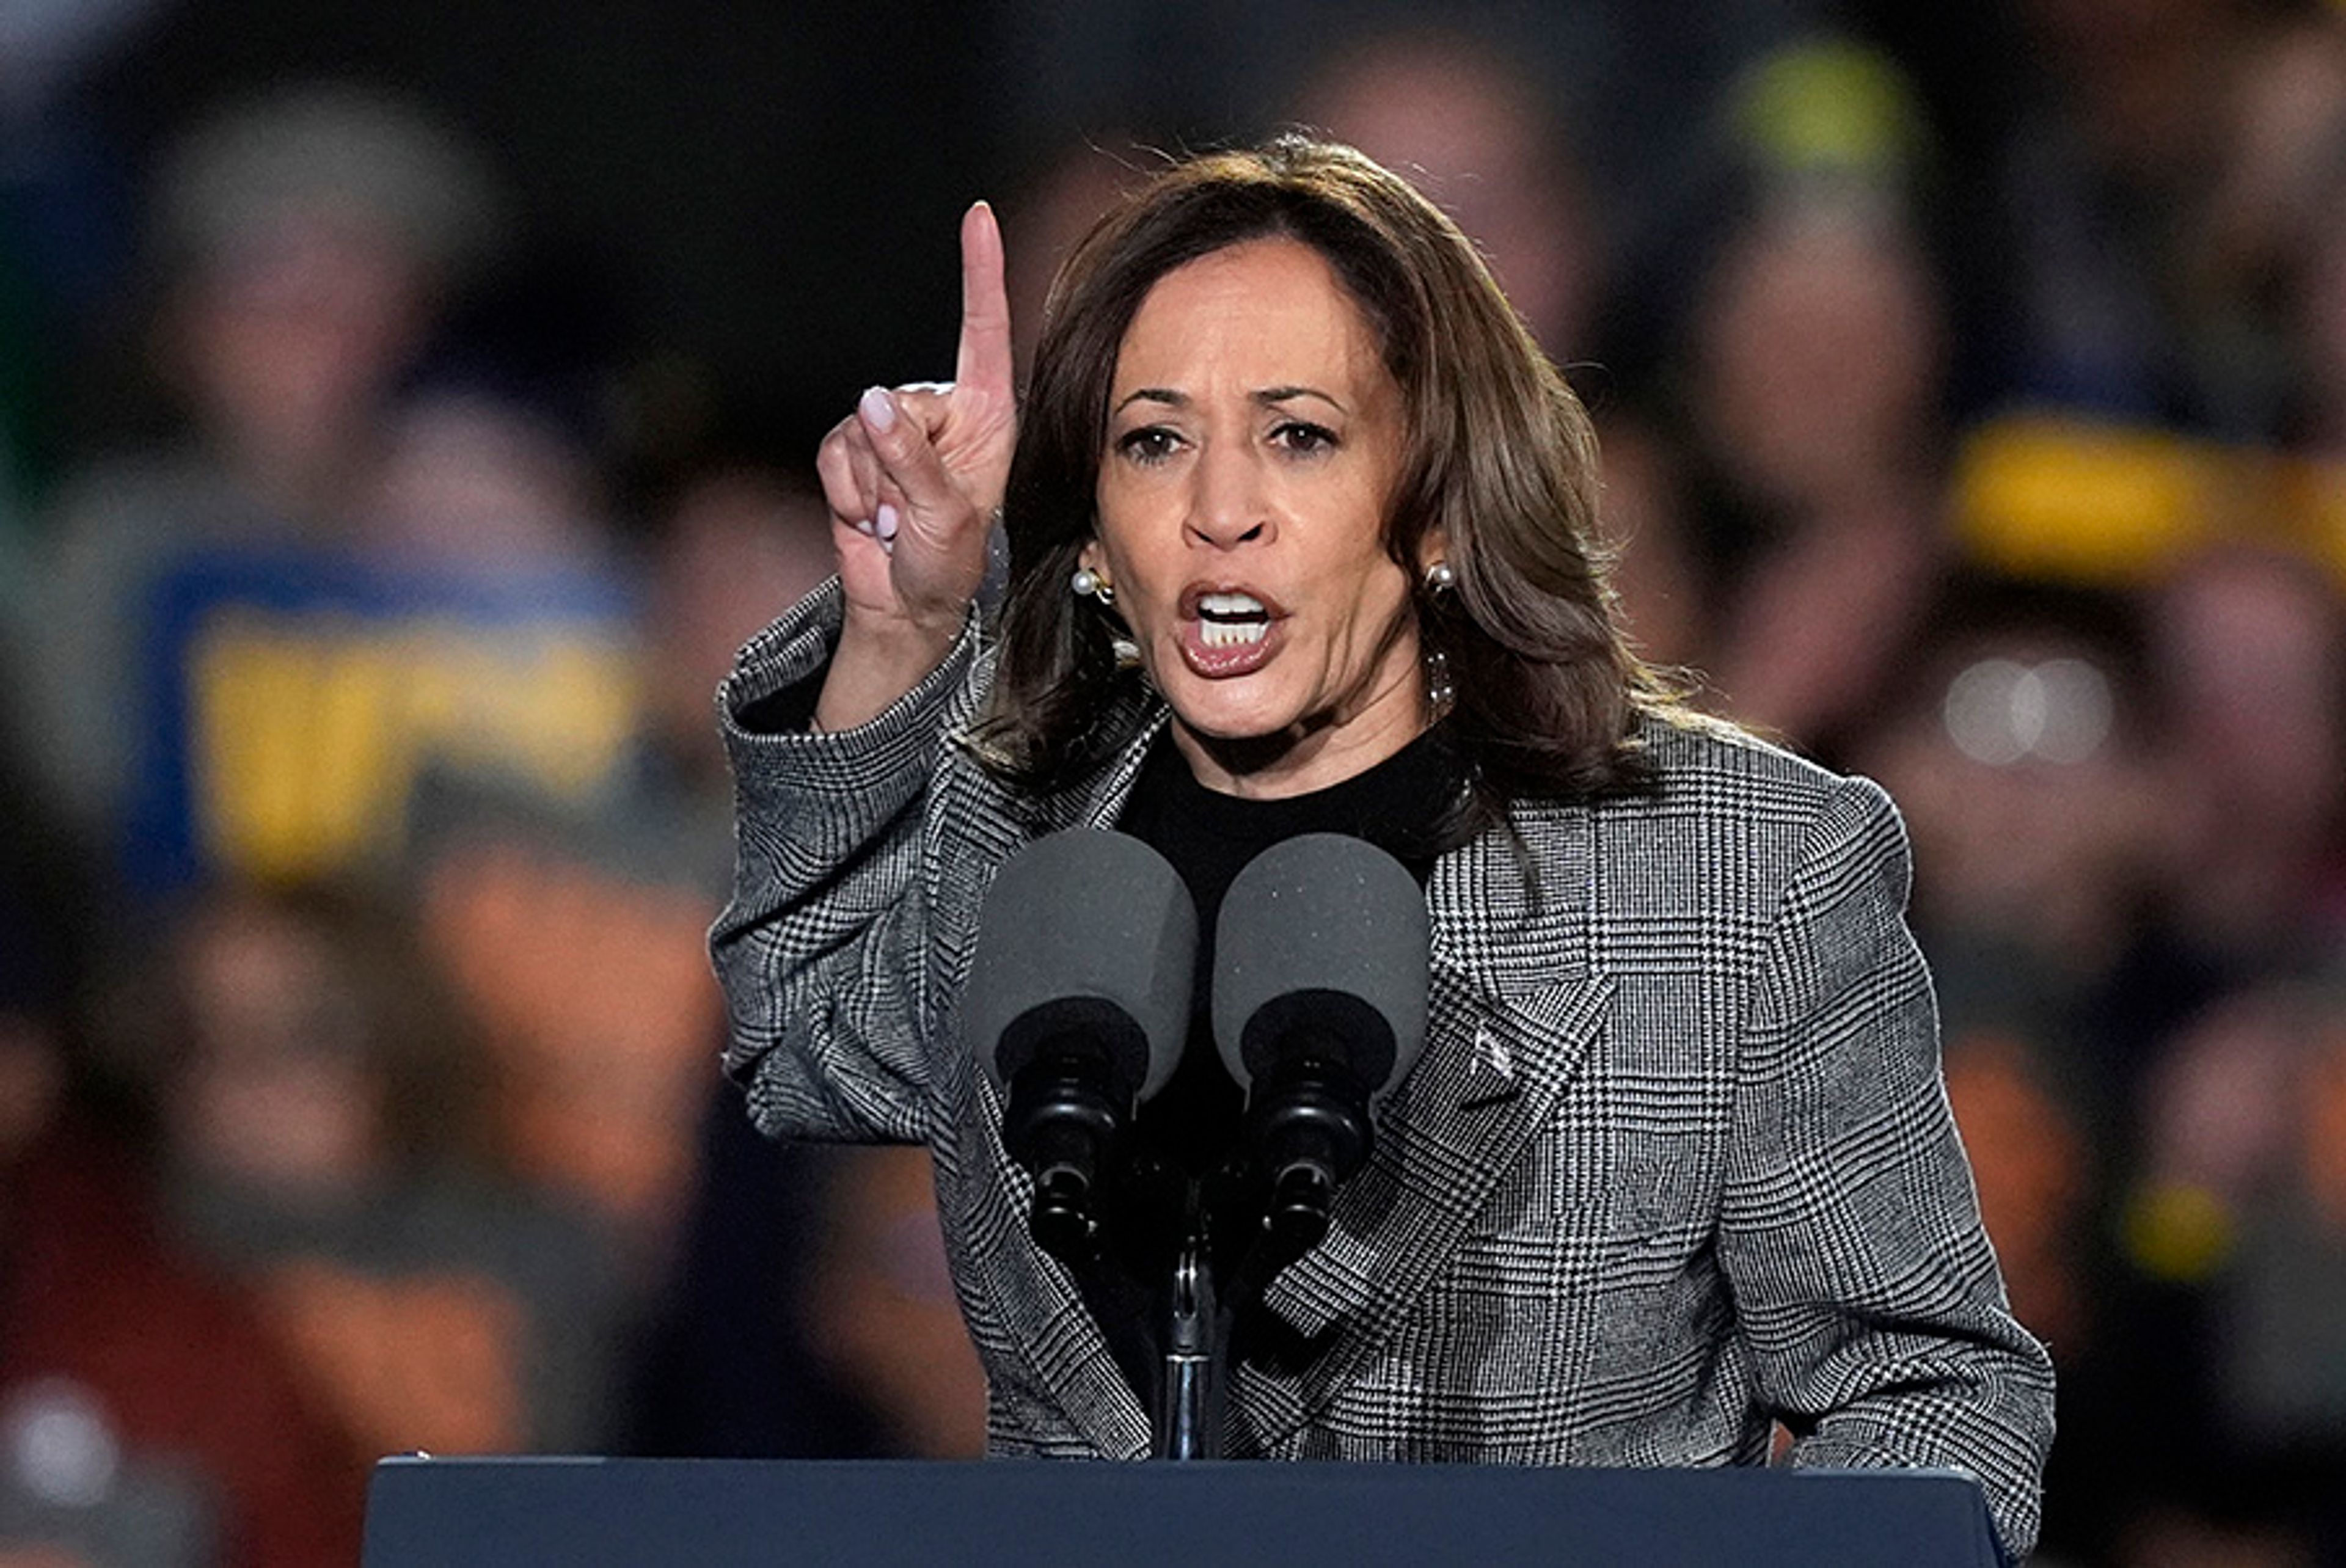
x=734 y=1514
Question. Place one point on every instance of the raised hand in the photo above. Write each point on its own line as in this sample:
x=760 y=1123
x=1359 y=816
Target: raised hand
x=913 y=479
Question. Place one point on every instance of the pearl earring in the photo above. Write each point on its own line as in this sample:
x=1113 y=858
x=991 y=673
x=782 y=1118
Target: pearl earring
x=1440 y=577
x=1089 y=583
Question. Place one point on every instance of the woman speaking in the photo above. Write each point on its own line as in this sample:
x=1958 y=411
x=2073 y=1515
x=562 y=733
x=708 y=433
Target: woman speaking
x=1298 y=521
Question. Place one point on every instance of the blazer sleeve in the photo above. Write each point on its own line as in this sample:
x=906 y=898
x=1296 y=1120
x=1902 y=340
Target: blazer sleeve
x=820 y=951
x=1864 y=1283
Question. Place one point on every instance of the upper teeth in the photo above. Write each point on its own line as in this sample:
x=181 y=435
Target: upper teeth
x=1230 y=605
x=1225 y=619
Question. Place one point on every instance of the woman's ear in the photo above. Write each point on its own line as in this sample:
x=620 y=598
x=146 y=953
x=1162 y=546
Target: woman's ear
x=1432 y=552
x=1094 y=559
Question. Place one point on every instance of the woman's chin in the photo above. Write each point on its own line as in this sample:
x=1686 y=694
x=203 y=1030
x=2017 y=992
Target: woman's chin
x=1231 y=711
x=1223 y=729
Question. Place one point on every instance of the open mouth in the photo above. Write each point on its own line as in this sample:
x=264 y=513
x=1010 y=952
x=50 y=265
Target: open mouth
x=1231 y=620
x=1225 y=631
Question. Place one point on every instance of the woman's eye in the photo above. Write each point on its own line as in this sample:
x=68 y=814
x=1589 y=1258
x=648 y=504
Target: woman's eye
x=1301 y=436
x=1150 y=443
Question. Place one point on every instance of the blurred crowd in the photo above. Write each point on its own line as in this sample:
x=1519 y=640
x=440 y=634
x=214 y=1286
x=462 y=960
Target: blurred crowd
x=1973 y=398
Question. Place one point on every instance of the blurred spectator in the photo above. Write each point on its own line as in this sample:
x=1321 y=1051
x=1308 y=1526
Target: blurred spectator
x=589 y=987
x=473 y=618
x=1476 y=134
x=1815 y=391
x=808 y=1311
x=196 y=1439
x=1775 y=418
x=497 y=606
x=2016 y=741
x=308 y=238
x=495 y=442
x=302 y=242
x=323 y=1122
x=1459 y=107
x=2249 y=651
x=2278 y=175
x=146 y=1416
x=2134 y=182
x=2236 y=1215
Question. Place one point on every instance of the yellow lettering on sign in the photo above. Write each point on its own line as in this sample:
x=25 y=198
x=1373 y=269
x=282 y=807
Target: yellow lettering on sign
x=309 y=731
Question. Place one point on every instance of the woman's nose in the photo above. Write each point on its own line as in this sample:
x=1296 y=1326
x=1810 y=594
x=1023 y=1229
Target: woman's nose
x=1227 y=503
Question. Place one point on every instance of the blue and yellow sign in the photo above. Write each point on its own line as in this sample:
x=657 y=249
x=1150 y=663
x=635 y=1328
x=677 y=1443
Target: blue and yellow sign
x=299 y=697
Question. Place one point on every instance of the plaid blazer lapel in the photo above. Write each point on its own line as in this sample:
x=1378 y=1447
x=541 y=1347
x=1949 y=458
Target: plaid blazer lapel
x=1045 y=1325
x=1514 y=1010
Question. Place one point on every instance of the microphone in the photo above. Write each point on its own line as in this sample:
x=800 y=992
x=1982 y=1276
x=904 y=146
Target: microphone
x=1079 y=1000
x=1318 y=1008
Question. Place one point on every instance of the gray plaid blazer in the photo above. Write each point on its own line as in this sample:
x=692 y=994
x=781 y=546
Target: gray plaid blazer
x=1677 y=1161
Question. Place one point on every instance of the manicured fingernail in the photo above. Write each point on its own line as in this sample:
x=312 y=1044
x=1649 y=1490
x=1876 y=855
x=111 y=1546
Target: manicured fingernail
x=884 y=524
x=878 y=408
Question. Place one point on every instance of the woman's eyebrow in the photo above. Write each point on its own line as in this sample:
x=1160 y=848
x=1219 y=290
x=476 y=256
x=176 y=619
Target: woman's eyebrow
x=1281 y=394
x=1266 y=397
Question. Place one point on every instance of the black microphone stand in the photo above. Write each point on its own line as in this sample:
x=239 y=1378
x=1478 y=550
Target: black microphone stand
x=1189 y=1418
x=1309 y=1130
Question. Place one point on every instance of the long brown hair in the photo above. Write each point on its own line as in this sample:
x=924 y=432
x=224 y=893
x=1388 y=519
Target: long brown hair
x=1501 y=459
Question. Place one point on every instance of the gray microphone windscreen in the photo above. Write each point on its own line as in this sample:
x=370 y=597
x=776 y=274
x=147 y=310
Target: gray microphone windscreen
x=1328 y=933
x=1086 y=932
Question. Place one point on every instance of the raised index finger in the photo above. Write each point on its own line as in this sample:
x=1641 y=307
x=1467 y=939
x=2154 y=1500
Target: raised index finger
x=983 y=362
